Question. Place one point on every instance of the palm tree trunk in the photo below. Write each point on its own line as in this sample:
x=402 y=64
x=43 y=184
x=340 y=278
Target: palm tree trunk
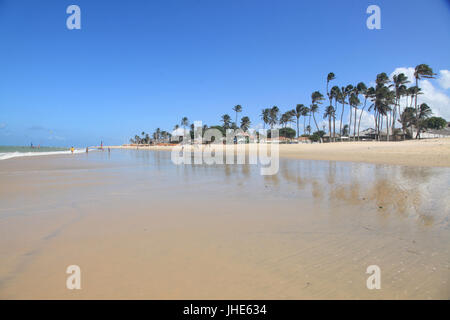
x=298 y=132
x=304 y=124
x=415 y=104
x=354 y=126
x=321 y=140
x=360 y=116
x=315 y=121
x=334 y=120
x=378 y=127
x=376 y=122
x=387 y=128
x=394 y=116
x=329 y=128
x=350 y=124
x=342 y=115
x=380 y=121
x=334 y=127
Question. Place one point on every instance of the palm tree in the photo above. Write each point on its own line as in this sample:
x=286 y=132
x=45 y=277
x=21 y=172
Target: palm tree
x=420 y=72
x=237 y=109
x=305 y=113
x=413 y=92
x=314 y=108
x=344 y=92
x=265 y=116
x=287 y=117
x=354 y=102
x=157 y=134
x=345 y=130
x=367 y=94
x=407 y=119
x=245 y=123
x=329 y=112
x=184 y=122
x=308 y=128
x=283 y=120
x=400 y=82
x=424 y=113
x=226 y=119
x=298 y=112
x=176 y=127
x=382 y=99
x=336 y=94
x=316 y=99
x=330 y=77
x=273 y=116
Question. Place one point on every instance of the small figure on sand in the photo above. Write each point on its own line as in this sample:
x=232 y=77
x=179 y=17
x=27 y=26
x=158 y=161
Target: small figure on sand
x=72 y=149
x=87 y=150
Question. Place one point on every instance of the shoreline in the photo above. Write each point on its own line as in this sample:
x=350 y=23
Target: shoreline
x=419 y=153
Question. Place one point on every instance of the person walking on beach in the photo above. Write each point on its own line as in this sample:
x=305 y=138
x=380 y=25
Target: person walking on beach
x=72 y=149
x=87 y=150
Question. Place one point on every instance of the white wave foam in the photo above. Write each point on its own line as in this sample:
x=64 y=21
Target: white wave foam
x=9 y=155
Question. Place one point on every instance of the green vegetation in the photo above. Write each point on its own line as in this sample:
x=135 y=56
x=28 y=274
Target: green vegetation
x=317 y=136
x=287 y=133
x=436 y=123
x=390 y=102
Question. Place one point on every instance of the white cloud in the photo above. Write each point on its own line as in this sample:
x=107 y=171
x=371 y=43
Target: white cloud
x=438 y=100
x=179 y=132
x=409 y=72
x=444 y=79
x=367 y=120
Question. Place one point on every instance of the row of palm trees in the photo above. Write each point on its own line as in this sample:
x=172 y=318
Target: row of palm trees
x=385 y=100
x=158 y=135
x=385 y=103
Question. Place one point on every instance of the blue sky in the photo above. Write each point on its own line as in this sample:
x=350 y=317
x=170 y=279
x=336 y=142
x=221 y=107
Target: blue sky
x=138 y=65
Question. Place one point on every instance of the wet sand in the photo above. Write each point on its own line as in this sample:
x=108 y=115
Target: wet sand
x=140 y=227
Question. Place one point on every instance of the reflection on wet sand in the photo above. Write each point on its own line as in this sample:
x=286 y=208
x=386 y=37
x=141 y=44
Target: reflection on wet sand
x=221 y=231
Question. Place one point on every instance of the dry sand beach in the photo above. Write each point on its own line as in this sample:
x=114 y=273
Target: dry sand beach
x=428 y=153
x=141 y=227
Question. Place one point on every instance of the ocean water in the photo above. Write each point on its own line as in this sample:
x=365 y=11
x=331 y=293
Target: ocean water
x=8 y=152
